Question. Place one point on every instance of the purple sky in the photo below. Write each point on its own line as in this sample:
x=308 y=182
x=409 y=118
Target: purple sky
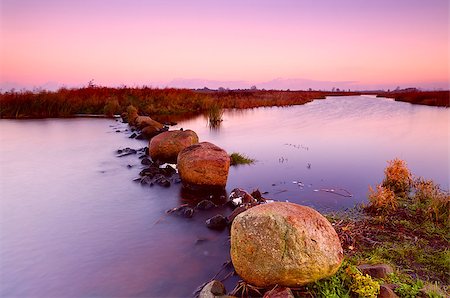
x=350 y=44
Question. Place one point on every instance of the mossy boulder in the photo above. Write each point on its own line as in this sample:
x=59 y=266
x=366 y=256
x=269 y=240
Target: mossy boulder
x=285 y=244
x=166 y=146
x=203 y=165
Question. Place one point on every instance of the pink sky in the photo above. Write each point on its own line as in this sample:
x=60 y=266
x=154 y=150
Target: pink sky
x=271 y=44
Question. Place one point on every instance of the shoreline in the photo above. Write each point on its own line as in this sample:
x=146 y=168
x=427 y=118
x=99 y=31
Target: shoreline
x=97 y=101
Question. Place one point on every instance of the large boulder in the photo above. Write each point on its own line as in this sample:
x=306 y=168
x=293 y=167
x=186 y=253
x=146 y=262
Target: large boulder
x=143 y=121
x=203 y=165
x=285 y=244
x=166 y=146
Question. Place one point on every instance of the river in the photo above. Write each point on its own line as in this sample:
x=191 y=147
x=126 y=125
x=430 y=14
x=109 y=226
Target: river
x=74 y=224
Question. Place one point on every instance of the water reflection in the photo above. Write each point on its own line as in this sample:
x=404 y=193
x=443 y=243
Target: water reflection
x=74 y=224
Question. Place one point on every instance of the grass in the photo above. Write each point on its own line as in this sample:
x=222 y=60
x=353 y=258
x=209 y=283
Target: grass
x=347 y=282
x=240 y=159
x=405 y=224
x=215 y=113
x=431 y=98
x=148 y=101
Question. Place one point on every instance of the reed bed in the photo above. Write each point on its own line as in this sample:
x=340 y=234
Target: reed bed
x=149 y=101
x=430 y=98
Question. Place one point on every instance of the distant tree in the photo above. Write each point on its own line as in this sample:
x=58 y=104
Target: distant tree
x=309 y=89
x=221 y=89
x=337 y=89
x=253 y=88
x=332 y=89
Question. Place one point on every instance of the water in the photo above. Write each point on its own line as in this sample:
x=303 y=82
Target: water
x=73 y=224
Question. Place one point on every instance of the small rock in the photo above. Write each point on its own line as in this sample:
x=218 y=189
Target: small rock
x=182 y=210
x=151 y=172
x=146 y=180
x=239 y=197
x=213 y=289
x=257 y=195
x=133 y=135
x=386 y=292
x=125 y=152
x=279 y=292
x=205 y=205
x=146 y=161
x=129 y=166
x=168 y=171
x=217 y=222
x=376 y=271
x=162 y=181
x=117 y=130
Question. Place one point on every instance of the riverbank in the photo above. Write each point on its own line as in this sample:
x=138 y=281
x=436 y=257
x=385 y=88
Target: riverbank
x=397 y=244
x=160 y=103
x=429 y=98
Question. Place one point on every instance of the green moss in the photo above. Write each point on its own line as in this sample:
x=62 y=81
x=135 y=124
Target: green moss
x=347 y=282
x=240 y=159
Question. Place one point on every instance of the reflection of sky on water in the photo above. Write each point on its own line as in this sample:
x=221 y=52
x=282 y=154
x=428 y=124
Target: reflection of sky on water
x=348 y=141
x=73 y=224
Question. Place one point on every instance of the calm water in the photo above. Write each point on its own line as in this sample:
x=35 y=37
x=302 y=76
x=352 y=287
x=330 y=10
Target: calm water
x=73 y=224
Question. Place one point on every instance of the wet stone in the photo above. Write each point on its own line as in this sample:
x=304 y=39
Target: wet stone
x=146 y=161
x=168 y=171
x=217 y=222
x=161 y=181
x=133 y=135
x=125 y=152
x=183 y=210
x=205 y=205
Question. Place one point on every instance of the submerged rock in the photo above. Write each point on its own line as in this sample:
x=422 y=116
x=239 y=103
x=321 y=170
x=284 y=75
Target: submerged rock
x=166 y=146
x=125 y=152
x=183 y=210
x=285 y=244
x=205 y=205
x=203 y=164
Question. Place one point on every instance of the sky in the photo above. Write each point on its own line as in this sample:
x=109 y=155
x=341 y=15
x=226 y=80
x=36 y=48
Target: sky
x=272 y=44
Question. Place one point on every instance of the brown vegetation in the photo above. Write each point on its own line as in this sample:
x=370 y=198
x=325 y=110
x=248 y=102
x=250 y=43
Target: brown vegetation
x=430 y=98
x=148 y=101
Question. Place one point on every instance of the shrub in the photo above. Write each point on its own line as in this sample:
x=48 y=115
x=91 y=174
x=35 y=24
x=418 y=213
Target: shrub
x=348 y=280
x=430 y=198
x=111 y=108
x=397 y=177
x=362 y=285
x=382 y=199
